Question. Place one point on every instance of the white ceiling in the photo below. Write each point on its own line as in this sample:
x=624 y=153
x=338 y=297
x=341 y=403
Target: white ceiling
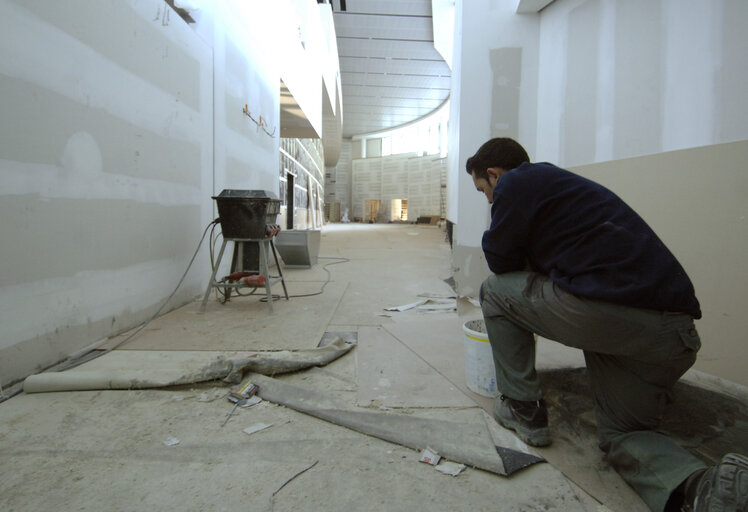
x=390 y=72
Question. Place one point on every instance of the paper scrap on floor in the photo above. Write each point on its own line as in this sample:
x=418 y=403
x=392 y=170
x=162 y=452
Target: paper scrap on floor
x=257 y=427
x=450 y=468
x=429 y=456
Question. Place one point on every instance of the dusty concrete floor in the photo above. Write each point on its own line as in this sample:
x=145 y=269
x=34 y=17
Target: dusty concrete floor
x=107 y=450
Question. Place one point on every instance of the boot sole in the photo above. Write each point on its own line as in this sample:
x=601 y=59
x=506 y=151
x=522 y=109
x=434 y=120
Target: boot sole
x=728 y=489
x=538 y=437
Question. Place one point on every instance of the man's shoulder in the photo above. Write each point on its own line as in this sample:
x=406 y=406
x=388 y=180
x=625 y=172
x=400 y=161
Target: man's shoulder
x=542 y=180
x=547 y=173
x=541 y=168
x=536 y=174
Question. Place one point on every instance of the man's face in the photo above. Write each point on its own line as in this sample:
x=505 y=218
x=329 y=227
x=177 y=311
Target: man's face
x=486 y=185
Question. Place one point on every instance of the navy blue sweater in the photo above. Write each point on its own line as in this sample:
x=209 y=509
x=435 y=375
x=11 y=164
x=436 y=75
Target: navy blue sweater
x=585 y=238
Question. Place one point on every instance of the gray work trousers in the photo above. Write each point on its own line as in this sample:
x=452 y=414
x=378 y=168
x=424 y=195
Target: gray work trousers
x=633 y=356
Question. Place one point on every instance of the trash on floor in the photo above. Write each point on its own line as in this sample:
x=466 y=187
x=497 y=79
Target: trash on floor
x=171 y=441
x=438 y=306
x=290 y=479
x=242 y=391
x=257 y=427
x=231 y=412
x=406 y=307
x=438 y=295
x=450 y=468
x=434 y=304
x=249 y=402
x=429 y=456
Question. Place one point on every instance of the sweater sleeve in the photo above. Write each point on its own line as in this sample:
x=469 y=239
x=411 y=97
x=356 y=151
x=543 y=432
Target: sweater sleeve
x=505 y=243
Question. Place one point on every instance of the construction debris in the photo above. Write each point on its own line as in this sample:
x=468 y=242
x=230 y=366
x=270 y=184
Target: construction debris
x=257 y=427
x=406 y=307
x=450 y=468
x=429 y=456
x=444 y=304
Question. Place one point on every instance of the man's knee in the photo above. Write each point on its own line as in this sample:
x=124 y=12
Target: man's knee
x=498 y=291
x=491 y=295
x=511 y=283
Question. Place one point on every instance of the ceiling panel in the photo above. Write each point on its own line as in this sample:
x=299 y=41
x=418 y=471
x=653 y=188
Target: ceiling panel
x=424 y=68
x=391 y=74
x=379 y=48
x=377 y=26
x=401 y=7
x=399 y=103
x=409 y=80
x=399 y=93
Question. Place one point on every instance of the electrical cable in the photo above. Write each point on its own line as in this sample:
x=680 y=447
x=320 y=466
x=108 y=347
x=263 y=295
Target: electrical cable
x=329 y=277
x=212 y=241
x=93 y=354
x=226 y=292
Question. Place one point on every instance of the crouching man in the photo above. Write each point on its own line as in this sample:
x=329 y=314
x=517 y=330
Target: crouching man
x=573 y=263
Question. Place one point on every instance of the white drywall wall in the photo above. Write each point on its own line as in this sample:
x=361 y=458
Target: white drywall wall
x=480 y=90
x=616 y=80
x=621 y=79
x=105 y=170
x=487 y=27
x=119 y=123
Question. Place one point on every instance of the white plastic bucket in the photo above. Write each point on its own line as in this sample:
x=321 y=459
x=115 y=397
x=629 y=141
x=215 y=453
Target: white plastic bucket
x=480 y=373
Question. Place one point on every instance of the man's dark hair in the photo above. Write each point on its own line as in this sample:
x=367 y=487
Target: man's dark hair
x=501 y=152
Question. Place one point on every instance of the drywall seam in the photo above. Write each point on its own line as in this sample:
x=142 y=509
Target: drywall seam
x=32 y=309
x=96 y=83
x=53 y=181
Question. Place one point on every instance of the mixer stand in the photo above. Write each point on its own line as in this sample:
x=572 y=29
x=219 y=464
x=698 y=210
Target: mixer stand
x=264 y=244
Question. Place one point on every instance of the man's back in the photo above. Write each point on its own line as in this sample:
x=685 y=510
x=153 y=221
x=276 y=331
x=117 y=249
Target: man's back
x=585 y=238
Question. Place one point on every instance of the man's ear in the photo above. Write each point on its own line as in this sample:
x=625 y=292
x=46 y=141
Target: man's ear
x=496 y=172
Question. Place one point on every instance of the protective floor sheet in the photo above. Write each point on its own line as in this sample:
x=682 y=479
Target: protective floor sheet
x=151 y=369
x=481 y=444
x=708 y=423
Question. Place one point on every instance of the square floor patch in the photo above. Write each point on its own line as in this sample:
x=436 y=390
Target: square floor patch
x=330 y=336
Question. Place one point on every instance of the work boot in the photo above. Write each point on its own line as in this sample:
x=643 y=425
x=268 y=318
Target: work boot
x=528 y=419
x=721 y=488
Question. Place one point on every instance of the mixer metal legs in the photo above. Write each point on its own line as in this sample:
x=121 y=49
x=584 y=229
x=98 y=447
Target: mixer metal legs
x=264 y=244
